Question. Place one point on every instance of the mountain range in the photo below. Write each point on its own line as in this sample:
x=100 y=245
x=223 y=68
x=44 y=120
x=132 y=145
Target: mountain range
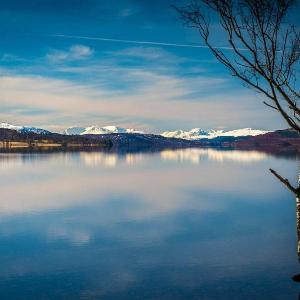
x=194 y=134
x=98 y=130
x=197 y=133
x=18 y=138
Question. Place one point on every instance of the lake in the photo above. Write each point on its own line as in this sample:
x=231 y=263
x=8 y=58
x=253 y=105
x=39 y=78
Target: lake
x=182 y=224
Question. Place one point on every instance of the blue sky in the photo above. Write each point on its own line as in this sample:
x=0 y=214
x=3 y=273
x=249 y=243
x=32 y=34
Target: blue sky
x=50 y=77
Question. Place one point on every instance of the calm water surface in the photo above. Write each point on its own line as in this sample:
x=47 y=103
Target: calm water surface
x=185 y=224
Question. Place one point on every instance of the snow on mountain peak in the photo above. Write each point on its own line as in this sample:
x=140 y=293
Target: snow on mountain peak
x=244 y=132
x=73 y=130
x=114 y=129
x=98 y=130
x=9 y=126
x=193 y=134
x=24 y=129
x=197 y=133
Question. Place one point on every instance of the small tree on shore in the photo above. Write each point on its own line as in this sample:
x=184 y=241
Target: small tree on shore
x=263 y=49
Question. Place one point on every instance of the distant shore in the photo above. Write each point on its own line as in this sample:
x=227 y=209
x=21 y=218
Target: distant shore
x=44 y=144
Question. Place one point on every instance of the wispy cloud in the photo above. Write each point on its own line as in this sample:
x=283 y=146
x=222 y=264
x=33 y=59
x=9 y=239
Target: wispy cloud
x=154 y=54
x=75 y=52
x=161 y=100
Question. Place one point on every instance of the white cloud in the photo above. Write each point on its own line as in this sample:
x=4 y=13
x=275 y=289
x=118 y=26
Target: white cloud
x=76 y=52
x=159 y=98
x=80 y=51
x=144 y=96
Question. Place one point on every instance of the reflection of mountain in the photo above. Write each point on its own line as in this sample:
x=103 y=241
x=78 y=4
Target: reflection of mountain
x=195 y=155
x=89 y=159
x=113 y=158
x=46 y=182
x=10 y=160
x=99 y=158
x=94 y=159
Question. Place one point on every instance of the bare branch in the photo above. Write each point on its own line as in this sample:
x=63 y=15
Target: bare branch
x=267 y=104
x=286 y=182
x=272 y=57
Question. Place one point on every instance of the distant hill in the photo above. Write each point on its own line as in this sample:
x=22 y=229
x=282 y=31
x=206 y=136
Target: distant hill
x=280 y=140
x=137 y=141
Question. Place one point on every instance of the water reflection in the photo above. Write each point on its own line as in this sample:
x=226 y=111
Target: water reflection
x=112 y=159
x=131 y=174
x=98 y=158
x=167 y=225
x=89 y=159
x=73 y=236
x=195 y=155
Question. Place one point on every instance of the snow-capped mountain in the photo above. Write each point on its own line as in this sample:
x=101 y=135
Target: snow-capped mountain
x=194 y=134
x=24 y=129
x=197 y=133
x=73 y=130
x=98 y=130
x=243 y=132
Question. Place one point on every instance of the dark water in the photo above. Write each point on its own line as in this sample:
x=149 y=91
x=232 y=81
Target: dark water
x=186 y=224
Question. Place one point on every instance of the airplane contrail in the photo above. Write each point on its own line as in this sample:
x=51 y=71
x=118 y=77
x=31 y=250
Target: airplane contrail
x=138 y=42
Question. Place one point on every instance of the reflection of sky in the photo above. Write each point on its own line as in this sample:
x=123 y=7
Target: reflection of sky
x=73 y=225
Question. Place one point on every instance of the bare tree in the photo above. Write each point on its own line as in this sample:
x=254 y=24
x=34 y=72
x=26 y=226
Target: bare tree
x=264 y=49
